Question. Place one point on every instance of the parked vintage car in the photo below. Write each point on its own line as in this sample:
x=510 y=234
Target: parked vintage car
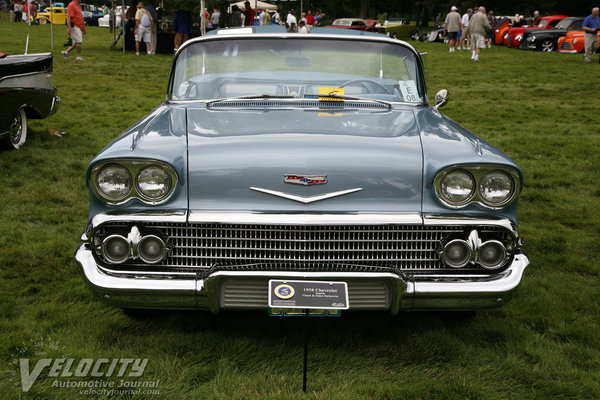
x=572 y=42
x=547 y=39
x=27 y=91
x=58 y=15
x=355 y=24
x=514 y=35
x=503 y=24
x=104 y=21
x=301 y=159
x=91 y=14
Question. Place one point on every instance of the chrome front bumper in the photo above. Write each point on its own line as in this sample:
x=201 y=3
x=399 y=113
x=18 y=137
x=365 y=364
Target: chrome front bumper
x=218 y=290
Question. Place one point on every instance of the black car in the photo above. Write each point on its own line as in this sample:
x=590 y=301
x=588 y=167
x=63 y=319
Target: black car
x=27 y=91
x=547 y=39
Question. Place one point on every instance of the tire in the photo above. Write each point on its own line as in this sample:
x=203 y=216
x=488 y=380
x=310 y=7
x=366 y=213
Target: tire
x=17 y=131
x=547 y=45
x=43 y=21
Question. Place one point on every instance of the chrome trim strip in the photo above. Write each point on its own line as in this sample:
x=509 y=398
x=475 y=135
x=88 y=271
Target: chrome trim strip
x=160 y=216
x=305 y=199
x=246 y=217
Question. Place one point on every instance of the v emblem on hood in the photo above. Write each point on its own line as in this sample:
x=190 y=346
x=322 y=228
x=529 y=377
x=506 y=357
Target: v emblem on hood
x=305 y=199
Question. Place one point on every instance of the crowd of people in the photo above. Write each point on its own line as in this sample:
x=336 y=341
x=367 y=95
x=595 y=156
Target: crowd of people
x=474 y=29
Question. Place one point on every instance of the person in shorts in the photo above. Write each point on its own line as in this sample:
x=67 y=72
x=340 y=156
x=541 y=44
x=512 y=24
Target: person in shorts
x=452 y=26
x=478 y=25
x=75 y=29
x=144 y=28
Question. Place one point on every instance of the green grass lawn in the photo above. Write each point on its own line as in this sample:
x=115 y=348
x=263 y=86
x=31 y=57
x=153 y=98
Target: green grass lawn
x=541 y=109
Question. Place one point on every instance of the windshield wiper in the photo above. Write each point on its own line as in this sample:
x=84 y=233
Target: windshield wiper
x=252 y=96
x=346 y=97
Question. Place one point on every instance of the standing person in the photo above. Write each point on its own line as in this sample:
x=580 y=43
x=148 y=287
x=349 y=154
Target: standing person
x=182 y=25
x=464 y=24
x=248 y=14
x=236 y=16
x=310 y=21
x=144 y=25
x=291 y=22
x=75 y=29
x=536 y=18
x=452 y=26
x=266 y=18
x=275 y=19
x=18 y=11
x=318 y=18
x=302 y=27
x=478 y=26
x=150 y=8
x=490 y=32
x=214 y=18
x=591 y=25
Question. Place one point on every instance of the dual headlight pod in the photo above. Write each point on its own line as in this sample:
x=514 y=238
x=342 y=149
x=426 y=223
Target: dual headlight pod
x=458 y=252
x=119 y=180
x=492 y=186
x=118 y=248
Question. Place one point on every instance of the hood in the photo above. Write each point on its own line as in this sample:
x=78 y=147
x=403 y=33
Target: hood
x=238 y=160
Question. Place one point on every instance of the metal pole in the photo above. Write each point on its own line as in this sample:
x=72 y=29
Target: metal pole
x=202 y=20
x=123 y=22
x=52 y=25
x=305 y=367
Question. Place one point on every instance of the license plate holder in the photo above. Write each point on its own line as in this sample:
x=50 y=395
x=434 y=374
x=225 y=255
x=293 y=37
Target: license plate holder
x=320 y=298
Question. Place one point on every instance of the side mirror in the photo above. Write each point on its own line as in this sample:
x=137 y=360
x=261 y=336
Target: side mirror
x=441 y=98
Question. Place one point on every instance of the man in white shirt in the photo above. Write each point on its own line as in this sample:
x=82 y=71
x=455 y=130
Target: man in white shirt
x=292 y=24
x=465 y=42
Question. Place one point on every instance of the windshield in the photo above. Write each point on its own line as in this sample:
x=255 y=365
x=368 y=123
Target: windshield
x=301 y=66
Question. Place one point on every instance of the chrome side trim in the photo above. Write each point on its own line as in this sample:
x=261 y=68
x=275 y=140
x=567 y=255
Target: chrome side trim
x=305 y=199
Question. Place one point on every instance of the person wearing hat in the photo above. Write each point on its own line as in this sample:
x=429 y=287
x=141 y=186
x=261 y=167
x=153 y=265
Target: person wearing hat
x=452 y=26
x=248 y=14
x=144 y=27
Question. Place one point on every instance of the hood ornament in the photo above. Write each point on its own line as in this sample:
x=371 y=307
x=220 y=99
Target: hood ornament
x=305 y=180
x=305 y=199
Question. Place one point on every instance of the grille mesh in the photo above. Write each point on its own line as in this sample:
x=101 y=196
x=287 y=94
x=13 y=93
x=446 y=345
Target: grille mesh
x=297 y=248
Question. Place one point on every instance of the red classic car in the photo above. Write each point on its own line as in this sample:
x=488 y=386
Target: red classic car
x=513 y=39
x=356 y=24
x=572 y=42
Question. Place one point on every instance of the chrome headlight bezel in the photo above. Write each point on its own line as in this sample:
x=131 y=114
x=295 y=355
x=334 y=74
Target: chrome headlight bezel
x=134 y=167
x=478 y=172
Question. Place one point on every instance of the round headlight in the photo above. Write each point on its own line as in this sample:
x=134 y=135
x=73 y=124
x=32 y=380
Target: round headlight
x=496 y=188
x=457 y=253
x=113 y=181
x=152 y=249
x=457 y=187
x=492 y=254
x=115 y=249
x=153 y=183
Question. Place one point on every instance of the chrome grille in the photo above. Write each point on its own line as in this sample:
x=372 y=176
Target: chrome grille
x=359 y=248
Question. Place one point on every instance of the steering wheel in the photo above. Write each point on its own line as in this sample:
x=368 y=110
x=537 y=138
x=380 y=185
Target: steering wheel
x=364 y=82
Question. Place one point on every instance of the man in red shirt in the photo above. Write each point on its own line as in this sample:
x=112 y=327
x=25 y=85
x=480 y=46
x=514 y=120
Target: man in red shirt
x=310 y=21
x=75 y=28
x=248 y=14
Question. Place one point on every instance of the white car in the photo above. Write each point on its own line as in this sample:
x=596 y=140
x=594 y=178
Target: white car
x=104 y=21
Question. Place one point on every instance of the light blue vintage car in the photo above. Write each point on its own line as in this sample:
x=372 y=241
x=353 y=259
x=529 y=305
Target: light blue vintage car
x=302 y=158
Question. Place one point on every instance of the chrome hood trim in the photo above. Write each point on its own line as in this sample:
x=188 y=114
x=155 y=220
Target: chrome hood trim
x=306 y=199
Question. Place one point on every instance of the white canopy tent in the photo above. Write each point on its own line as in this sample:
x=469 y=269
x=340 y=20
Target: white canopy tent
x=258 y=5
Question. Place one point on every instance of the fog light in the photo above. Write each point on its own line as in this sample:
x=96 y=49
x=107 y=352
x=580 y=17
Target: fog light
x=152 y=249
x=492 y=254
x=115 y=249
x=457 y=253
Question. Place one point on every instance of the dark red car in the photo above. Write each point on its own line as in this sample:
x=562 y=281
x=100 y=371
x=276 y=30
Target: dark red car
x=515 y=35
x=356 y=24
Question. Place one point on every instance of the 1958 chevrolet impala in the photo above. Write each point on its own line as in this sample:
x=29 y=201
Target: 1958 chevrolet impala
x=307 y=158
